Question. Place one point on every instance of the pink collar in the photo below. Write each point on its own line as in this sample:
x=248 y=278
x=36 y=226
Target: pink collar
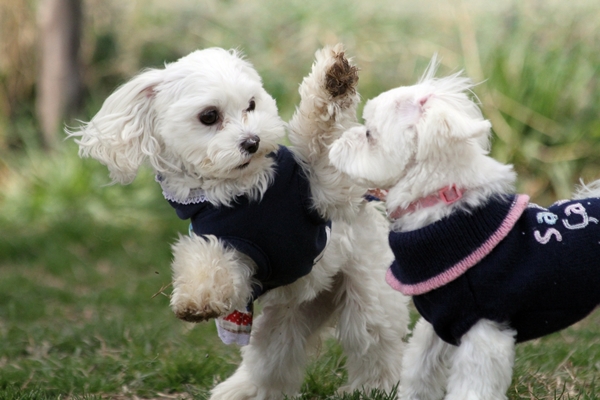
x=446 y=195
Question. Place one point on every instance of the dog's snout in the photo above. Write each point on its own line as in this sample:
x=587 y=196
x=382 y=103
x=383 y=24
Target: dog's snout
x=250 y=144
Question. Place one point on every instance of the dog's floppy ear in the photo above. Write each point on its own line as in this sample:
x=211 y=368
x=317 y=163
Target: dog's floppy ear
x=442 y=123
x=120 y=134
x=451 y=124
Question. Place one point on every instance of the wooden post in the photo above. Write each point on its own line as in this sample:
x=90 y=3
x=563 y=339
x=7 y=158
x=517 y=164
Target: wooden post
x=59 y=85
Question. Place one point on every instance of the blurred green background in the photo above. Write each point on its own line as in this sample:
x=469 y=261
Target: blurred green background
x=537 y=61
x=81 y=261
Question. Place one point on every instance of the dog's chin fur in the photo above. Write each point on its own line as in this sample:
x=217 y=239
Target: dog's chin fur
x=251 y=180
x=157 y=118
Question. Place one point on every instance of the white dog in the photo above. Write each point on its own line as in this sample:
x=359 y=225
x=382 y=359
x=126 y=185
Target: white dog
x=486 y=268
x=260 y=213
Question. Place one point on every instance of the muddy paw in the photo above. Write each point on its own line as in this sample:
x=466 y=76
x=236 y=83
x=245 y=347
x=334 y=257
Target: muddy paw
x=197 y=304
x=341 y=77
x=195 y=315
x=208 y=279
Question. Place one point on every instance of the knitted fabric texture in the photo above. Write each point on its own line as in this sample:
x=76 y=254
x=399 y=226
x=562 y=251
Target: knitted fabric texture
x=534 y=269
x=281 y=233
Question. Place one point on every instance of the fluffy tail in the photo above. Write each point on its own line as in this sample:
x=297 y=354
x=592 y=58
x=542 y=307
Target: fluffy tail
x=584 y=191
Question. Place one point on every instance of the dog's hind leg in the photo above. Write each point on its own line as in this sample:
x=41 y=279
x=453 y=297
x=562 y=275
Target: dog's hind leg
x=371 y=327
x=373 y=318
x=481 y=367
x=273 y=363
x=424 y=369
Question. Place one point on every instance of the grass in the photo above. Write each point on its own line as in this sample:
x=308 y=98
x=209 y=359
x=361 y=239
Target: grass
x=79 y=317
x=81 y=262
x=565 y=365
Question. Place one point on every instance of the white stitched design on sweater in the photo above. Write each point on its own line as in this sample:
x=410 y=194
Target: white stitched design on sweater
x=547 y=236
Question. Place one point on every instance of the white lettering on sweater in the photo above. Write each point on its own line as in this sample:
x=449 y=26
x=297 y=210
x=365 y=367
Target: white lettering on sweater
x=547 y=236
x=576 y=218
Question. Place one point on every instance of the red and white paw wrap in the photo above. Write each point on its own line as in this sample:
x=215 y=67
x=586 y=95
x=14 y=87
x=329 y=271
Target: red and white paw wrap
x=236 y=327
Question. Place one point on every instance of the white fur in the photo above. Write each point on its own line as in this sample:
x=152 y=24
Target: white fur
x=317 y=122
x=221 y=268
x=480 y=368
x=155 y=117
x=417 y=140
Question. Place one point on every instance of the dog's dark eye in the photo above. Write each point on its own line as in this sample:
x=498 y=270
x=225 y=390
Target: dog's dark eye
x=209 y=117
x=368 y=134
x=251 y=106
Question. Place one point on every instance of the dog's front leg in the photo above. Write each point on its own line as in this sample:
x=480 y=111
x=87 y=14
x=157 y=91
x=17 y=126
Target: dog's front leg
x=209 y=280
x=481 y=367
x=424 y=370
x=328 y=101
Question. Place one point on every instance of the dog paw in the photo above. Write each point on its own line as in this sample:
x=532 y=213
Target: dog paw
x=341 y=77
x=242 y=386
x=209 y=280
x=331 y=84
x=234 y=391
x=328 y=103
x=192 y=313
x=195 y=300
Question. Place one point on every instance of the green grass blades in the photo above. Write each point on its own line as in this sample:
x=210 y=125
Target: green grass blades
x=564 y=365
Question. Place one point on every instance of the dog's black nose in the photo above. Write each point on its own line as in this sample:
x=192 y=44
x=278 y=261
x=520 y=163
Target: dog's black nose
x=251 y=144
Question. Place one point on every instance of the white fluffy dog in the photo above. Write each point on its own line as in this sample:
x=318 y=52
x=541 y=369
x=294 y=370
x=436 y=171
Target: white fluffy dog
x=486 y=267
x=210 y=131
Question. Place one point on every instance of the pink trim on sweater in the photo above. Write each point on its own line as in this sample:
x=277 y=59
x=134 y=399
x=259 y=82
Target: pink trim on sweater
x=517 y=208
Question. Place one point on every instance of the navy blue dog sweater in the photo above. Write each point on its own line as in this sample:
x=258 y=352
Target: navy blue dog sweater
x=281 y=233
x=536 y=270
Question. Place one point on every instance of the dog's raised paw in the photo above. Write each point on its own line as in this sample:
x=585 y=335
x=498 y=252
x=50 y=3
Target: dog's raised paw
x=341 y=77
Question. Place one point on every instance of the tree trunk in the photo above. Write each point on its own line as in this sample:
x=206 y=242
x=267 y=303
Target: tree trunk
x=59 y=85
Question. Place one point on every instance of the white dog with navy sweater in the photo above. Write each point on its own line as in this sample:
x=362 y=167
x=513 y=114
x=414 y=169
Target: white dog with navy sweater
x=261 y=214
x=486 y=268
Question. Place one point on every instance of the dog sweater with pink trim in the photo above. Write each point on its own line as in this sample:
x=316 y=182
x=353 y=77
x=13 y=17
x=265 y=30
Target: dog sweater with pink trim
x=533 y=269
x=282 y=233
